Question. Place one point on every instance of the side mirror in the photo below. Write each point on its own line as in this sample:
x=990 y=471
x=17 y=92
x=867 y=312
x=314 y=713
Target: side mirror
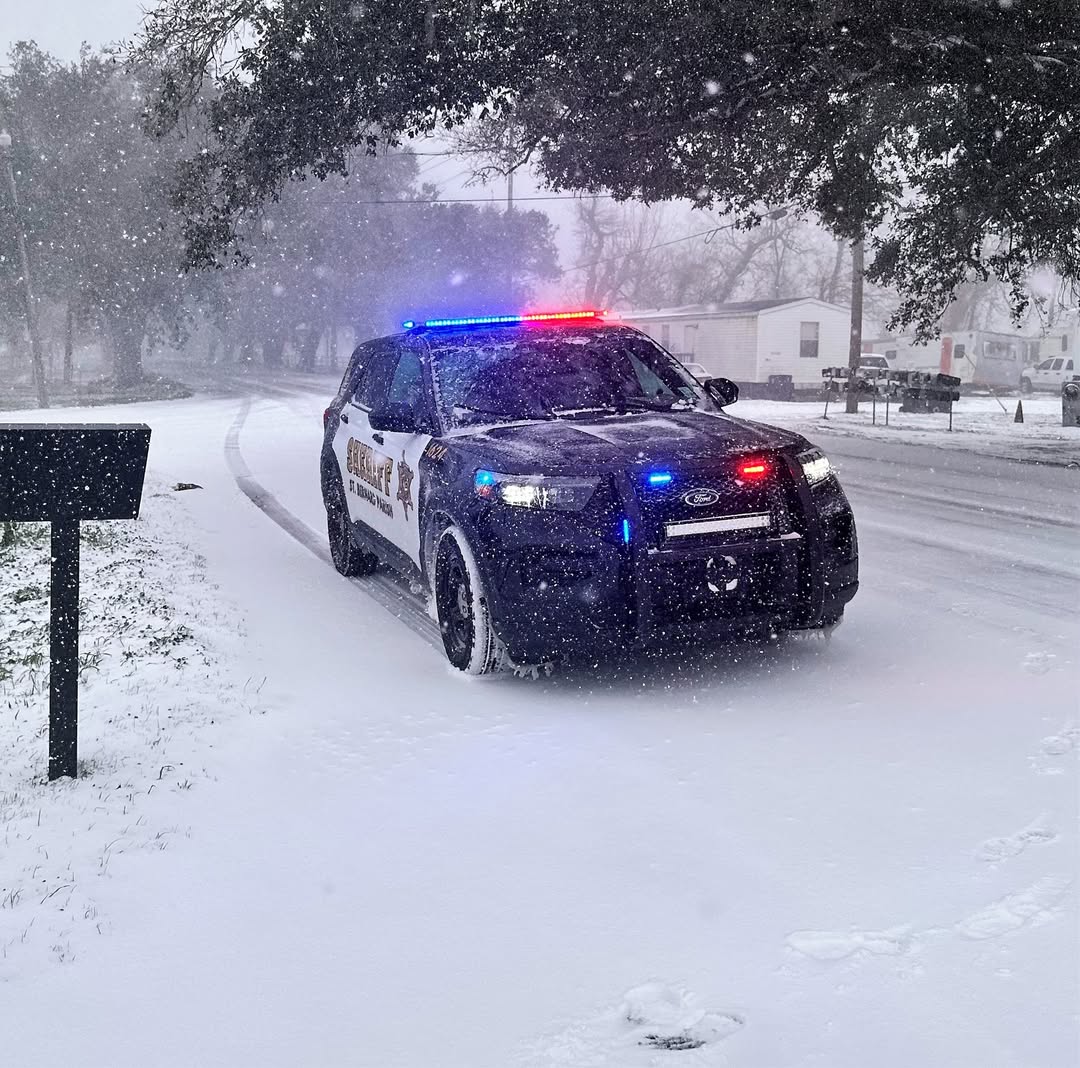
x=393 y=419
x=722 y=390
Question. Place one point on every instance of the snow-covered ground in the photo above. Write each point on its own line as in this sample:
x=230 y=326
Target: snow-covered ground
x=841 y=853
x=154 y=693
x=982 y=424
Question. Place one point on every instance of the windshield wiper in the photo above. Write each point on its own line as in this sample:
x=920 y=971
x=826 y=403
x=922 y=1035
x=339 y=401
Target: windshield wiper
x=649 y=404
x=461 y=410
x=560 y=413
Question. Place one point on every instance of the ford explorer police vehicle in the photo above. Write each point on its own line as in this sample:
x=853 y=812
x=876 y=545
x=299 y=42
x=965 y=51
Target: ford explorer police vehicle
x=562 y=484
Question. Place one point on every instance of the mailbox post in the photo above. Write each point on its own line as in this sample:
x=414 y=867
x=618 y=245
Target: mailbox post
x=63 y=475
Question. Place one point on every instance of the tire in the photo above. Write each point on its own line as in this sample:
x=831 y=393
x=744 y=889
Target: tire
x=1026 y=386
x=349 y=560
x=469 y=638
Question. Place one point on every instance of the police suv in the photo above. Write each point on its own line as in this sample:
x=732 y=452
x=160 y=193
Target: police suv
x=562 y=484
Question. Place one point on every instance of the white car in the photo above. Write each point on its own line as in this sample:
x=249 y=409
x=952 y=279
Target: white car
x=697 y=371
x=872 y=361
x=1048 y=375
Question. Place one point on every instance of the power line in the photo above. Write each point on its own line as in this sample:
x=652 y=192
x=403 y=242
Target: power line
x=485 y=200
x=772 y=213
x=454 y=152
x=433 y=164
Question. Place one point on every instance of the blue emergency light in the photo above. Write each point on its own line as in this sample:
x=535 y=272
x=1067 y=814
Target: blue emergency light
x=504 y=320
x=660 y=478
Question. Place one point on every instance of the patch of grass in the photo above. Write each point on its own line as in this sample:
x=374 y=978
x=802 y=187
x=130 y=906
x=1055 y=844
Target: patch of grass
x=29 y=593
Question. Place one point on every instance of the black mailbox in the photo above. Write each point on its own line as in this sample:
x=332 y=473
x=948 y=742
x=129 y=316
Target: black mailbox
x=63 y=474
x=50 y=472
x=1070 y=402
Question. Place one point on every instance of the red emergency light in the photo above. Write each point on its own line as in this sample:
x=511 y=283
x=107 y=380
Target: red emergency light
x=753 y=470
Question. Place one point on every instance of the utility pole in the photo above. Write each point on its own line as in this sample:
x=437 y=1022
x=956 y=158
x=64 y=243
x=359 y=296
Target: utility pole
x=24 y=265
x=512 y=272
x=855 y=345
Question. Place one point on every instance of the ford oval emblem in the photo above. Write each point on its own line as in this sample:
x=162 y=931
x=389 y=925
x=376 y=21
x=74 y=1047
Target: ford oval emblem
x=701 y=498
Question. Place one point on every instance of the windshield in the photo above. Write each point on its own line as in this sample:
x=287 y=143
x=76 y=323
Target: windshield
x=528 y=375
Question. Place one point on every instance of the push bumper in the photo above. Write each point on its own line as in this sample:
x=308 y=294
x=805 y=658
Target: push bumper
x=555 y=590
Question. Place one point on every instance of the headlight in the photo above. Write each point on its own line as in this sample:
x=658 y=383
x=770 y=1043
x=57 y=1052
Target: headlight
x=535 y=491
x=815 y=466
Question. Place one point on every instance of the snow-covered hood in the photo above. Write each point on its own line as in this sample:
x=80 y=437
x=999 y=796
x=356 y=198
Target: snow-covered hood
x=620 y=441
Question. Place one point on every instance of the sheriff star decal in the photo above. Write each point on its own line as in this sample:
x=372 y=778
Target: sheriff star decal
x=404 y=485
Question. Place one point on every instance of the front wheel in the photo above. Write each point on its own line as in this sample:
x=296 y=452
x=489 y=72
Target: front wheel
x=468 y=637
x=348 y=559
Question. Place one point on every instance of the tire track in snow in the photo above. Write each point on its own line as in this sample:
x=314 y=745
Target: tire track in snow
x=380 y=587
x=981 y=508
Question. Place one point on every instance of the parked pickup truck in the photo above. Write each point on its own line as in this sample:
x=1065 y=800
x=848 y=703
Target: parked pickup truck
x=1048 y=376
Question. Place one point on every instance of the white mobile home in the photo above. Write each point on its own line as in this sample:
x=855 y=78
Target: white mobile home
x=750 y=340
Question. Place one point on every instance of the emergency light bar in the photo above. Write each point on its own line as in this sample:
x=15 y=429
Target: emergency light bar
x=505 y=320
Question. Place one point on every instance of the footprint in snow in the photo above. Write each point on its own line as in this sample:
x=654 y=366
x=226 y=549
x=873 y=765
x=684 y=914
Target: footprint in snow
x=1061 y=744
x=1038 y=663
x=997 y=849
x=836 y=945
x=652 y=1021
x=1056 y=745
x=1036 y=905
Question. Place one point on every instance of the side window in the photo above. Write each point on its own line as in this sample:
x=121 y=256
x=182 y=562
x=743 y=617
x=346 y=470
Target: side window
x=407 y=383
x=1068 y=365
x=371 y=387
x=1057 y=365
x=808 y=340
x=353 y=373
x=1045 y=365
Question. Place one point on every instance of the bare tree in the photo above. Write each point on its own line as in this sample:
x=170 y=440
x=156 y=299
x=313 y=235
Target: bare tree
x=619 y=265
x=496 y=147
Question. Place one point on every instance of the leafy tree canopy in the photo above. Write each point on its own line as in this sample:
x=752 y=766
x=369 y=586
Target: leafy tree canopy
x=945 y=130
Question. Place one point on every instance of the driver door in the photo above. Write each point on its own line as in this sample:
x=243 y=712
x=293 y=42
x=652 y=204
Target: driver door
x=364 y=471
x=407 y=395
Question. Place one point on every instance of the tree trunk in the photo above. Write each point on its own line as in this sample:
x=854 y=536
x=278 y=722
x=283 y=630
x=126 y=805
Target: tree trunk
x=127 y=353
x=308 y=347
x=832 y=290
x=332 y=346
x=69 y=343
x=273 y=352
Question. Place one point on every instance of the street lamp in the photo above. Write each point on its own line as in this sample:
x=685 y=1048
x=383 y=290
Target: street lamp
x=24 y=265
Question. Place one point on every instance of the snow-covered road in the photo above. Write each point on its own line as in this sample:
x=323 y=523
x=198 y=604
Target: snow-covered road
x=823 y=854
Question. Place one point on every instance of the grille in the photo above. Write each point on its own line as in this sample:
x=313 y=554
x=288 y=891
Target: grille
x=734 y=512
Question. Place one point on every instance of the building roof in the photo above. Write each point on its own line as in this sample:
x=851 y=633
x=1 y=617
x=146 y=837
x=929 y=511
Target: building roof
x=739 y=307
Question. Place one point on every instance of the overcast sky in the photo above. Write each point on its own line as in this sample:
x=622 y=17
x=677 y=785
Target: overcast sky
x=61 y=26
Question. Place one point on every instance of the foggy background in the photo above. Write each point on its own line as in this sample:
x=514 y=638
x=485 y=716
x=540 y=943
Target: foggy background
x=421 y=232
